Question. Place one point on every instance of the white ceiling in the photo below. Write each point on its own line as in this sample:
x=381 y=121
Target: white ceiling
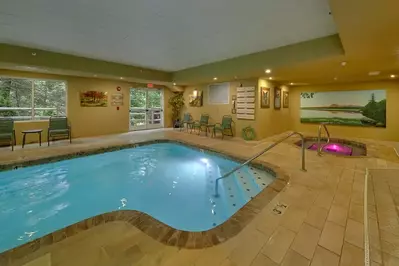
x=162 y=34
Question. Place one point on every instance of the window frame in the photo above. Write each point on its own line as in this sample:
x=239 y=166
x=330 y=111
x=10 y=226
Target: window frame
x=228 y=93
x=32 y=119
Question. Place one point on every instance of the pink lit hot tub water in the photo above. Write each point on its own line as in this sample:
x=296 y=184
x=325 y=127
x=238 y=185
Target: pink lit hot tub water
x=334 y=148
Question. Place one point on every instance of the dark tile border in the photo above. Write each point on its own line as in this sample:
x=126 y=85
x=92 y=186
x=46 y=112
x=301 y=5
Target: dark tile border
x=148 y=225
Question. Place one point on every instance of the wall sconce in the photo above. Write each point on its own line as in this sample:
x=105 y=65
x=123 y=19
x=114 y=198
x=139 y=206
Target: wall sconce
x=195 y=93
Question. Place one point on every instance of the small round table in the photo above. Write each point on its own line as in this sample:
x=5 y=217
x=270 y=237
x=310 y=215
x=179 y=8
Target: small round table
x=38 y=131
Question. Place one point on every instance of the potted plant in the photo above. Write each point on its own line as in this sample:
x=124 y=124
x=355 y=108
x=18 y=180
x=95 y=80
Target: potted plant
x=177 y=103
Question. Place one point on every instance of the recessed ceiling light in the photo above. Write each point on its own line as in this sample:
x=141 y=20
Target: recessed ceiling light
x=268 y=71
x=393 y=76
x=235 y=77
x=174 y=84
x=270 y=78
x=343 y=63
x=34 y=54
x=215 y=78
x=292 y=83
x=335 y=78
x=94 y=75
x=121 y=78
x=374 y=73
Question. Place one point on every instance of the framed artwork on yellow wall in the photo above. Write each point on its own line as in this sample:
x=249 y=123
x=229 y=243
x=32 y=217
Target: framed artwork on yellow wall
x=264 y=97
x=93 y=99
x=286 y=99
x=277 y=98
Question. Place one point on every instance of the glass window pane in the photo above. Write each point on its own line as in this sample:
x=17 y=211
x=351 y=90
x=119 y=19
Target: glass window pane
x=154 y=99
x=49 y=98
x=137 y=98
x=16 y=98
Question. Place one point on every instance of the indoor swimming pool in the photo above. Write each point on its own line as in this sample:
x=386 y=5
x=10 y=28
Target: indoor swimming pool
x=171 y=182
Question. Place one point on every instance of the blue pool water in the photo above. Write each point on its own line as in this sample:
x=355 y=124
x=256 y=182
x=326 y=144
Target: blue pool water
x=172 y=183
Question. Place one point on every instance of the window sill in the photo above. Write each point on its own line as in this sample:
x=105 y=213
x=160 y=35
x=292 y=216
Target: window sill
x=31 y=121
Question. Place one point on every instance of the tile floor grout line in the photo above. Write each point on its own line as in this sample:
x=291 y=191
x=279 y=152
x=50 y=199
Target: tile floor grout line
x=366 y=229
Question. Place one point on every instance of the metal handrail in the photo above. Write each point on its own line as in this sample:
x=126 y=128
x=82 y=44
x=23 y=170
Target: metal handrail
x=259 y=154
x=319 y=146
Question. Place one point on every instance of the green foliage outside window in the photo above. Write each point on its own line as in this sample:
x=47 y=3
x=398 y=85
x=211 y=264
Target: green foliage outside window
x=49 y=98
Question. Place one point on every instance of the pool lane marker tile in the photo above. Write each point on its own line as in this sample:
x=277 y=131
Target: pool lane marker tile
x=280 y=208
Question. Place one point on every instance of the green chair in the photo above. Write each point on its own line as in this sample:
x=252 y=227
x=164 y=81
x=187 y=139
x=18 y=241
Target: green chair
x=226 y=125
x=7 y=132
x=187 y=121
x=200 y=124
x=58 y=129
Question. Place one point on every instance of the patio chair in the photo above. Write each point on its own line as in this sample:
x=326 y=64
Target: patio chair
x=58 y=129
x=186 y=121
x=226 y=125
x=200 y=124
x=7 y=132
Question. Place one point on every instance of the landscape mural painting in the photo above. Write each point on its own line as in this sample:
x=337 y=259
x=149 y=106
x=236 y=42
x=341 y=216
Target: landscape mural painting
x=351 y=108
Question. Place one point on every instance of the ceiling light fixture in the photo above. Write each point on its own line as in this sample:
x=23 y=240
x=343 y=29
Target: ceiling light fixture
x=270 y=78
x=374 y=73
x=215 y=78
x=34 y=54
x=268 y=71
x=393 y=76
x=94 y=75
x=174 y=84
x=121 y=78
x=335 y=78
x=292 y=83
x=343 y=63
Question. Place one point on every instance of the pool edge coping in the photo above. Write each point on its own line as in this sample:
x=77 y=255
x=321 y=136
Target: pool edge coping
x=144 y=222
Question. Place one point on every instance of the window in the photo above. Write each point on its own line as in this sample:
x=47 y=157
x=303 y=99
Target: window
x=219 y=93
x=27 y=99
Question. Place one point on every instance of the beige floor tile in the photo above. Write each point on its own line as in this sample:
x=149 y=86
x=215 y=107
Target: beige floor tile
x=373 y=263
x=342 y=199
x=248 y=248
x=306 y=241
x=183 y=257
x=324 y=200
x=389 y=243
x=44 y=260
x=263 y=260
x=338 y=215
x=356 y=212
x=390 y=260
x=332 y=237
x=352 y=256
x=215 y=255
x=293 y=218
x=294 y=259
x=228 y=262
x=268 y=223
x=317 y=217
x=354 y=233
x=278 y=244
x=324 y=257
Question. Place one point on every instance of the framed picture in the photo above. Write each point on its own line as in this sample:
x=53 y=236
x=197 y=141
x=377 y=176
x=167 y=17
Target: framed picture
x=93 y=99
x=286 y=99
x=264 y=97
x=364 y=108
x=277 y=98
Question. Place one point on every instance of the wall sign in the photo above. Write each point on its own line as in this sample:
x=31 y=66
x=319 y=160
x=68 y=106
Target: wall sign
x=277 y=98
x=245 y=103
x=117 y=99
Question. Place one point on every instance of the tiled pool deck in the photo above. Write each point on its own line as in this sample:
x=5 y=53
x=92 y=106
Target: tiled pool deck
x=323 y=224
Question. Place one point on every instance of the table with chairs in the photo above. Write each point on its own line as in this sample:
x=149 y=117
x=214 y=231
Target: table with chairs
x=58 y=128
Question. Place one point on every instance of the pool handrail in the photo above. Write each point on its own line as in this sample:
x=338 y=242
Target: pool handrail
x=261 y=153
x=319 y=146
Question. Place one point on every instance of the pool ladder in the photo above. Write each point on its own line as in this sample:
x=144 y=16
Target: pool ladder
x=261 y=153
x=319 y=145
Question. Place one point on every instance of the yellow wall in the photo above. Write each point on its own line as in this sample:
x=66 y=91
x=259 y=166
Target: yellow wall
x=267 y=121
x=391 y=132
x=87 y=121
